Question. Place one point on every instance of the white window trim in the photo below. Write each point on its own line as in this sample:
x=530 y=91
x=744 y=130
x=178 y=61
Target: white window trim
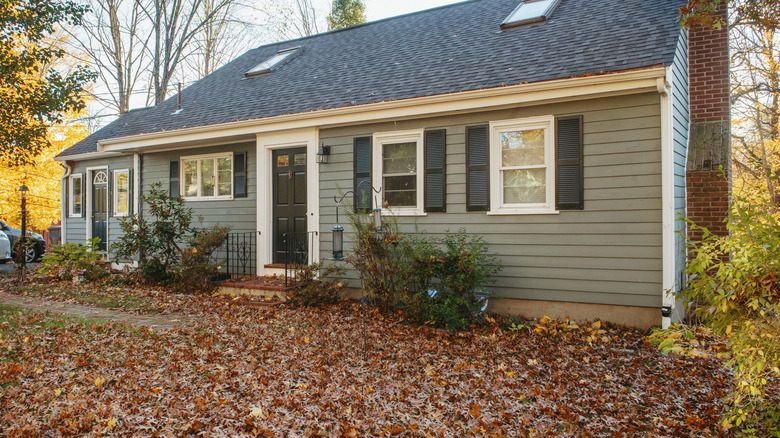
x=496 y=177
x=80 y=176
x=115 y=193
x=216 y=186
x=382 y=138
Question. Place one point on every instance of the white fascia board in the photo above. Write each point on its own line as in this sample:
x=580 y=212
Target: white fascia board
x=493 y=98
x=89 y=156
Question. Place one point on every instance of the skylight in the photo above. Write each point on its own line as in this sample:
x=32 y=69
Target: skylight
x=268 y=64
x=530 y=11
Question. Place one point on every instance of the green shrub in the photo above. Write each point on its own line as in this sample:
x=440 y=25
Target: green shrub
x=448 y=273
x=170 y=249
x=315 y=286
x=398 y=271
x=734 y=281
x=73 y=261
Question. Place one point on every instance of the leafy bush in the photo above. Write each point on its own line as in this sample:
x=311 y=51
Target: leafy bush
x=735 y=282
x=381 y=257
x=171 y=250
x=197 y=267
x=315 y=286
x=448 y=273
x=399 y=270
x=73 y=261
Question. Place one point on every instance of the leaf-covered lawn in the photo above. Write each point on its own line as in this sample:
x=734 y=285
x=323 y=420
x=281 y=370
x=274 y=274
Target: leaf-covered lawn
x=277 y=371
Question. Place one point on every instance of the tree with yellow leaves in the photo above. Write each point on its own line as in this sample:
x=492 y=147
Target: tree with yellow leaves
x=42 y=178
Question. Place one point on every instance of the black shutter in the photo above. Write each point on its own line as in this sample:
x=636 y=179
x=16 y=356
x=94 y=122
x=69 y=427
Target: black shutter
x=109 y=194
x=363 y=173
x=240 y=175
x=436 y=171
x=130 y=183
x=477 y=175
x=568 y=163
x=173 y=189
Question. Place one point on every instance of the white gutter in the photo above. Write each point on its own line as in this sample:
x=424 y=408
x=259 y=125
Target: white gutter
x=63 y=197
x=493 y=98
x=87 y=156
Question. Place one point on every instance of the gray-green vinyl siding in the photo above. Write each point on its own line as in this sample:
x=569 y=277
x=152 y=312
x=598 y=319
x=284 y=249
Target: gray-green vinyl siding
x=239 y=213
x=76 y=227
x=608 y=253
x=680 y=129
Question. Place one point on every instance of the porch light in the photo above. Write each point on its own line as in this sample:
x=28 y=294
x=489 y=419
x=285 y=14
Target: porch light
x=323 y=155
x=338 y=242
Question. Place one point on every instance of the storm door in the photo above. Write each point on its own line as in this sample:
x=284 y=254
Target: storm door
x=289 y=204
x=100 y=207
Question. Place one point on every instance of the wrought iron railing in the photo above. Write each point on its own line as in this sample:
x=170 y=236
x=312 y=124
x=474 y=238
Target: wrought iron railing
x=297 y=252
x=238 y=255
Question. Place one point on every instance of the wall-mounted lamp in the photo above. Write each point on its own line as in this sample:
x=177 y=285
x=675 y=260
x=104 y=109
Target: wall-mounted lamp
x=338 y=242
x=323 y=155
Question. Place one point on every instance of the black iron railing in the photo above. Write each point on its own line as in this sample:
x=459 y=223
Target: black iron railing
x=238 y=255
x=297 y=252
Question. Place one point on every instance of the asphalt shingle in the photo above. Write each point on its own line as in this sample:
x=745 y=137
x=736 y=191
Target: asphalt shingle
x=453 y=48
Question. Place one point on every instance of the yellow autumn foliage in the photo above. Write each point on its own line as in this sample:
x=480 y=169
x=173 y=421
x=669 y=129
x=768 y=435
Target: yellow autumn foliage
x=42 y=178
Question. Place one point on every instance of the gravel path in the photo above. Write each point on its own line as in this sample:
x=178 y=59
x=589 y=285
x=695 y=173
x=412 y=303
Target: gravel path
x=43 y=305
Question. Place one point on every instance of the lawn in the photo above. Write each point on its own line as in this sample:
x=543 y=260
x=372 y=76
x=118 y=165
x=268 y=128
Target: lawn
x=279 y=371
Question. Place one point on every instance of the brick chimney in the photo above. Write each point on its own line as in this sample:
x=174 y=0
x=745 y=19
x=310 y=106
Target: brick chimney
x=709 y=146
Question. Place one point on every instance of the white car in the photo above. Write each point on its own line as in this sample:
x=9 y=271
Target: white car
x=5 y=248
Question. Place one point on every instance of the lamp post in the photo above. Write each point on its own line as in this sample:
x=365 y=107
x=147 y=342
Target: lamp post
x=23 y=239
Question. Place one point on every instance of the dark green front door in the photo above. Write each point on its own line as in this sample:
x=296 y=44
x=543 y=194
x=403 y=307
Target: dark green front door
x=289 y=202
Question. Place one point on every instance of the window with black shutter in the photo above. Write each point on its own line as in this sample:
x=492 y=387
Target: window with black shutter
x=477 y=183
x=569 y=163
x=435 y=171
x=362 y=170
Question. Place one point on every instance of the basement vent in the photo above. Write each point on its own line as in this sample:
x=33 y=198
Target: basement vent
x=530 y=12
x=266 y=66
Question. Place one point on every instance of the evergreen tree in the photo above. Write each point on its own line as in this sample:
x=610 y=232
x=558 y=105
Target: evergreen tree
x=346 y=13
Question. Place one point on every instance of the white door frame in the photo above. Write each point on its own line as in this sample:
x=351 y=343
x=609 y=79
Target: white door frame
x=266 y=144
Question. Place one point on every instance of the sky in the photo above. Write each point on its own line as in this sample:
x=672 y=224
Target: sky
x=378 y=9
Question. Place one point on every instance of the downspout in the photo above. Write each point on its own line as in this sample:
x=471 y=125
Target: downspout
x=667 y=201
x=68 y=169
x=138 y=166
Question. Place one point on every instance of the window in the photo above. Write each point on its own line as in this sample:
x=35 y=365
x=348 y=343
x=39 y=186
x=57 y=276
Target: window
x=121 y=192
x=522 y=166
x=398 y=170
x=76 y=200
x=268 y=64
x=530 y=11
x=207 y=177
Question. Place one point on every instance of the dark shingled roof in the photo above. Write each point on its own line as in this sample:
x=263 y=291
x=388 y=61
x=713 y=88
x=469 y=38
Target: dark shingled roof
x=448 y=49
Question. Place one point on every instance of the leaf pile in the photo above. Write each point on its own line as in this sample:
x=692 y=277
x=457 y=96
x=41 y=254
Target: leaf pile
x=277 y=371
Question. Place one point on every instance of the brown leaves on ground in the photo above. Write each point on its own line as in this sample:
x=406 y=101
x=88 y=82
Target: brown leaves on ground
x=276 y=371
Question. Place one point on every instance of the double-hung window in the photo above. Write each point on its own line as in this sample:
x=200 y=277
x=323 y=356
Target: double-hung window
x=121 y=192
x=76 y=200
x=398 y=170
x=207 y=177
x=522 y=166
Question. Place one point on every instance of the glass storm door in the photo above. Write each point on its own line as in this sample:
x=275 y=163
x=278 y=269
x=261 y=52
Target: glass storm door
x=100 y=207
x=289 y=201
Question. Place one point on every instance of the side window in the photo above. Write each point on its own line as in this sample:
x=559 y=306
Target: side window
x=121 y=192
x=76 y=188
